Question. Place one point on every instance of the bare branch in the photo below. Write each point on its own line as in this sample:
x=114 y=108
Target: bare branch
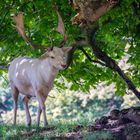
x=89 y=58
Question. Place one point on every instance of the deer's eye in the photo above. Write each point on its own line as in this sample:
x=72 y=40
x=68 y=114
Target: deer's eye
x=52 y=57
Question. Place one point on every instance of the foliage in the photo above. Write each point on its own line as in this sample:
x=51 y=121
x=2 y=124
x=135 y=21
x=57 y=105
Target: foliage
x=121 y=30
x=118 y=36
x=117 y=28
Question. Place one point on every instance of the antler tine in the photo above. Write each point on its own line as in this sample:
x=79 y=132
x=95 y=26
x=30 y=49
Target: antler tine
x=61 y=29
x=18 y=19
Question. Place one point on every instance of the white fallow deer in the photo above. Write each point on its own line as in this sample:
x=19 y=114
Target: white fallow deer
x=35 y=77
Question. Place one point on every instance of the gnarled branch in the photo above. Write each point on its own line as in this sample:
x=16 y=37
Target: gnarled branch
x=110 y=63
x=89 y=58
x=90 y=11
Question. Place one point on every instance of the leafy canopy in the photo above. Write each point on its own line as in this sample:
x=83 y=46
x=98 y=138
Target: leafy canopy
x=118 y=27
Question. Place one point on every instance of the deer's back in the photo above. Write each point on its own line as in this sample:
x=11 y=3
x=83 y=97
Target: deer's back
x=22 y=74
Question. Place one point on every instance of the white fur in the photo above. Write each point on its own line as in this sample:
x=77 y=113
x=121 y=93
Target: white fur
x=35 y=77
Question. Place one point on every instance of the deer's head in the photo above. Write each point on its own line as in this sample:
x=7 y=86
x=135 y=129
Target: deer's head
x=57 y=57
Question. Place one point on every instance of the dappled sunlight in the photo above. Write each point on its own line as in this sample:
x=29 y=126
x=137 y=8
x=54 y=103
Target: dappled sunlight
x=130 y=100
x=17 y=66
x=72 y=105
x=70 y=70
x=7 y=117
x=23 y=71
x=22 y=61
x=123 y=63
x=17 y=74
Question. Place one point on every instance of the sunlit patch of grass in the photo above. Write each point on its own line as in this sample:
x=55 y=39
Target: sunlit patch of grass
x=56 y=129
x=64 y=126
x=10 y=132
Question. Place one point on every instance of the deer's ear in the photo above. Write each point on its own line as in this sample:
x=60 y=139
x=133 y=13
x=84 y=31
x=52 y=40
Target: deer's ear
x=50 y=49
x=66 y=49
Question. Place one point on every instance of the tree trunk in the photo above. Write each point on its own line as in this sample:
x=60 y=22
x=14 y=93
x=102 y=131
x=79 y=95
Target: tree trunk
x=88 y=14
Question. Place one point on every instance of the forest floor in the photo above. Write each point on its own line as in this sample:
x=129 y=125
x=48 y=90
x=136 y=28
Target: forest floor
x=119 y=125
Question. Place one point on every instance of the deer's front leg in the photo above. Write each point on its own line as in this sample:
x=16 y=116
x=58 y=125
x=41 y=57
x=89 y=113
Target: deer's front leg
x=25 y=103
x=41 y=99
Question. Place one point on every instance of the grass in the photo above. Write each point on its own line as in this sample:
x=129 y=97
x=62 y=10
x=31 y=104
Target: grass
x=102 y=135
x=57 y=130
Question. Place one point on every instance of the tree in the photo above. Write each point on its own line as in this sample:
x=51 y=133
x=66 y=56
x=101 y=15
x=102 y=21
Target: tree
x=99 y=38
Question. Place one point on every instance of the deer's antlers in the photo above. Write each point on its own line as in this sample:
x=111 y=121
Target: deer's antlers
x=18 y=19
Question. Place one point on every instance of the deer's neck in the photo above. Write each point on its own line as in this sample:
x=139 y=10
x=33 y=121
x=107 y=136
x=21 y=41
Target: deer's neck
x=48 y=71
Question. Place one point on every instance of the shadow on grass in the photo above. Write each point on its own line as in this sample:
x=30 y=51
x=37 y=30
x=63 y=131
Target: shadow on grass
x=61 y=130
